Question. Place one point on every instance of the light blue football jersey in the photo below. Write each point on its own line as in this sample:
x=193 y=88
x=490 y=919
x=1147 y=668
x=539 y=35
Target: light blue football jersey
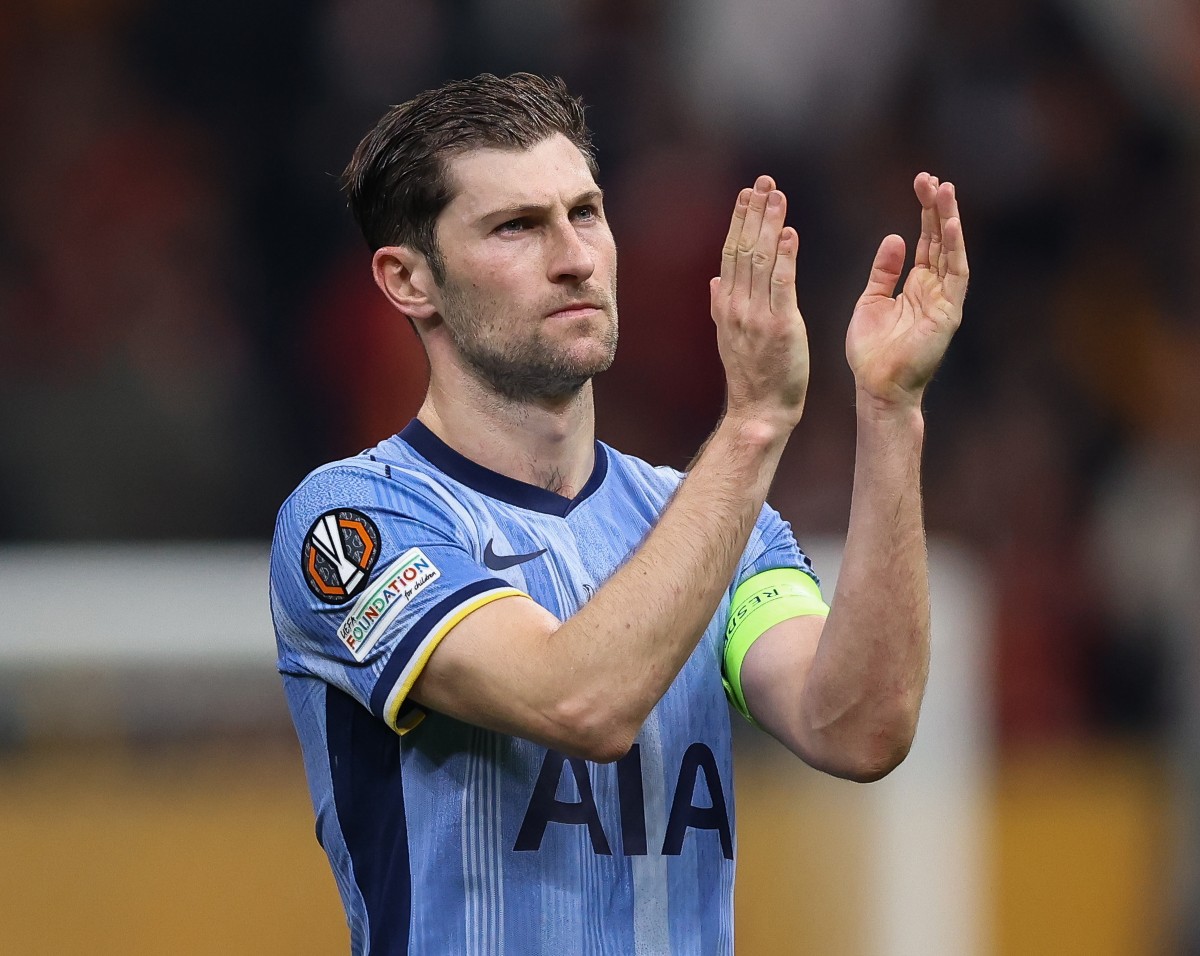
x=447 y=838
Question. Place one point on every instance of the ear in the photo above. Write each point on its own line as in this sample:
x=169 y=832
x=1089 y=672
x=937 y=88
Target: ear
x=403 y=275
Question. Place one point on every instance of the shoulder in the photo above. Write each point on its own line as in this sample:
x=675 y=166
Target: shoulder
x=357 y=477
x=383 y=473
x=380 y=485
x=381 y=507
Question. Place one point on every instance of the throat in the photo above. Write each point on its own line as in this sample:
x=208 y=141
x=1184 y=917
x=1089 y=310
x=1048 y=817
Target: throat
x=556 y=482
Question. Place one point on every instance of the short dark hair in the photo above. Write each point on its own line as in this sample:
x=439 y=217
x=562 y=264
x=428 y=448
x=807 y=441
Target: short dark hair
x=397 y=180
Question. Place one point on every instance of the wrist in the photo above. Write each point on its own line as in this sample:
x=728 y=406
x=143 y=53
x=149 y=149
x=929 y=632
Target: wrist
x=901 y=409
x=755 y=432
x=748 y=447
x=888 y=423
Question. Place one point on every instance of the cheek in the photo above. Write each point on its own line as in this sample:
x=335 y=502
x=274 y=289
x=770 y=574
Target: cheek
x=480 y=300
x=604 y=251
x=500 y=280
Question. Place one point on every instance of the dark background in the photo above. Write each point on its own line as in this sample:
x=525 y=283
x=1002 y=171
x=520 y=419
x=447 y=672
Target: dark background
x=187 y=321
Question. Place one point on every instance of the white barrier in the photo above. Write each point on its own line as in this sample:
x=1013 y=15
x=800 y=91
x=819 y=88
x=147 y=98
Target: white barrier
x=135 y=604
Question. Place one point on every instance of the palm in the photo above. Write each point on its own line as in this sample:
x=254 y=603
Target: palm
x=894 y=343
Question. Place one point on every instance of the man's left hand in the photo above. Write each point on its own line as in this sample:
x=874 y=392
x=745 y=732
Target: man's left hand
x=895 y=342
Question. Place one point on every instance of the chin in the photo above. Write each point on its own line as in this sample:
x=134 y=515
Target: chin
x=595 y=358
x=595 y=348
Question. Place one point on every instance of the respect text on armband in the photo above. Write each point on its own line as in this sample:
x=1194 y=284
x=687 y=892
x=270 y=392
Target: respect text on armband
x=378 y=606
x=748 y=606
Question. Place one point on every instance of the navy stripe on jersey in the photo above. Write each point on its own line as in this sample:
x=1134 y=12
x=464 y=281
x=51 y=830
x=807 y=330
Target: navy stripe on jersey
x=402 y=656
x=364 y=763
x=492 y=483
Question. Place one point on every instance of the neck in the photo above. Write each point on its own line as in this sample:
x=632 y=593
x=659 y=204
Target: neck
x=548 y=444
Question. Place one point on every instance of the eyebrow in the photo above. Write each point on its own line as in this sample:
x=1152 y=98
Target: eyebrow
x=505 y=213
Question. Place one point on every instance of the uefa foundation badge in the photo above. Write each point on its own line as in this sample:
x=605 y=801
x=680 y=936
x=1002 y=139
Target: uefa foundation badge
x=339 y=552
x=395 y=586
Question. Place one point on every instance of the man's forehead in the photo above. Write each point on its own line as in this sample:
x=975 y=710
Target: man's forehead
x=490 y=178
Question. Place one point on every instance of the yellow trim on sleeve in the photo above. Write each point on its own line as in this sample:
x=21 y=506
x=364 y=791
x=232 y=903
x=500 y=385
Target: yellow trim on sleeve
x=411 y=722
x=759 y=603
x=432 y=640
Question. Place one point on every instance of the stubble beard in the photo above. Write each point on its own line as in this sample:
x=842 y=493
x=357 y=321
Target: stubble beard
x=527 y=369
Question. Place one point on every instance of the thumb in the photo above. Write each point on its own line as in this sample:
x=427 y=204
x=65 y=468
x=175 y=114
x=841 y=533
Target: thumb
x=885 y=270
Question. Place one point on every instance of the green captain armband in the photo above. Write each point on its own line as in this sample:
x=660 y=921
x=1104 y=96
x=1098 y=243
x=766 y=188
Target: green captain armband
x=759 y=604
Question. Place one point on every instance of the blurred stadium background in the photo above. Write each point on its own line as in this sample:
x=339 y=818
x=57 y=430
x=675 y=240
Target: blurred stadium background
x=187 y=326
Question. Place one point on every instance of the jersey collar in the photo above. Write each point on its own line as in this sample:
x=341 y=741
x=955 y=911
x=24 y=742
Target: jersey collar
x=495 y=485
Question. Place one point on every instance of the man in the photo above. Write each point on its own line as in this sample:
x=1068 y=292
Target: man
x=506 y=646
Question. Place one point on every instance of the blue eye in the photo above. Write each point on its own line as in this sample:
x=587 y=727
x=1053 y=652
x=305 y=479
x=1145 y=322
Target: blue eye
x=513 y=225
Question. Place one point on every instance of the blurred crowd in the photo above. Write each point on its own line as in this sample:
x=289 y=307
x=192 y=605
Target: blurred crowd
x=187 y=322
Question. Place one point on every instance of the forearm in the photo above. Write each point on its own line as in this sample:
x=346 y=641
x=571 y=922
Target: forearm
x=624 y=648
x=862 y=695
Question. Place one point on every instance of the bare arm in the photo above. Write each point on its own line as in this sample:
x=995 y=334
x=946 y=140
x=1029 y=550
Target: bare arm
x=586 y=685
x=846 y=696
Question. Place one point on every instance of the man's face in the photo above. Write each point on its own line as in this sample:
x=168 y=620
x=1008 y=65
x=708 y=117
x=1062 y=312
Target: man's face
x=529 y=297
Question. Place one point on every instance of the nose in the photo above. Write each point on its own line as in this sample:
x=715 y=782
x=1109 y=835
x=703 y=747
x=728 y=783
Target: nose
x=570 y=259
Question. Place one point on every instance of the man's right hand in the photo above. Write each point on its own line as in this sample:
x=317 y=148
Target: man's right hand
x=760 y=332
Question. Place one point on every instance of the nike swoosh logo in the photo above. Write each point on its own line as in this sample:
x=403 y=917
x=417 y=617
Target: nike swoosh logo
x=498 y=562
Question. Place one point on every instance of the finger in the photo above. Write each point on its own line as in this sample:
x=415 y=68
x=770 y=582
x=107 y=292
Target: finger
x=935 y=230
x=748 y=241
x=947 y=208
x=783 y=275
x=926 y=191
x=729 y=251
x=766 y=250
x=954 y=281
x=885 y=270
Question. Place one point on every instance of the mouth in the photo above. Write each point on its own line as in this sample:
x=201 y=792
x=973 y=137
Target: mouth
x=574 y=309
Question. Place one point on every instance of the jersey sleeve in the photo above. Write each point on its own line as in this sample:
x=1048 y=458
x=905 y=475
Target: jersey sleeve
x=775 y=581
x=772 y=545
x=370 y=569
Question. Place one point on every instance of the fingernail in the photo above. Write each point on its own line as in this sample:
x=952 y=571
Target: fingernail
x=744 y=197
x=774 y=198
